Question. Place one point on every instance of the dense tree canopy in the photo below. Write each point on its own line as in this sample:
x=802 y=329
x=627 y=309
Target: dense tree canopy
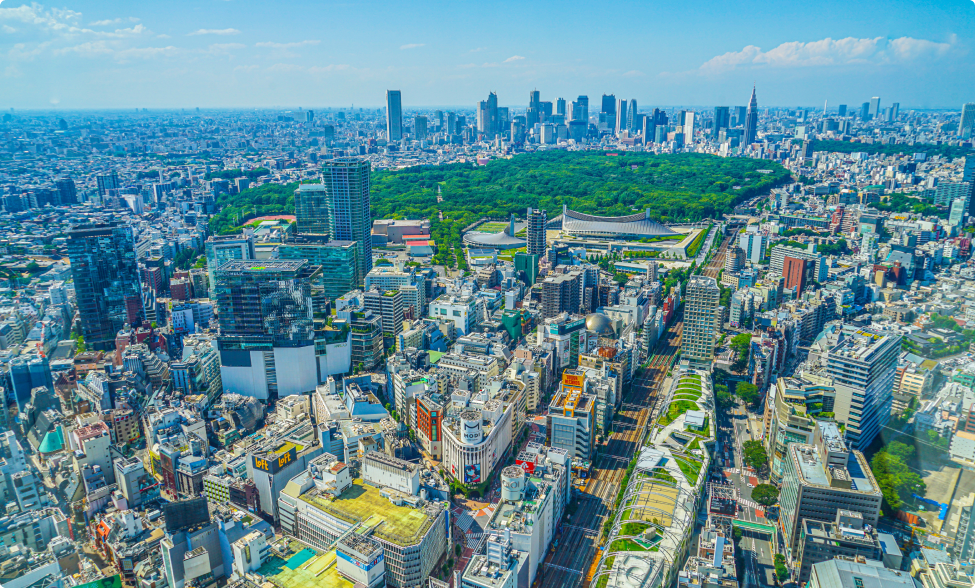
x=765 y=494
x=902 y=149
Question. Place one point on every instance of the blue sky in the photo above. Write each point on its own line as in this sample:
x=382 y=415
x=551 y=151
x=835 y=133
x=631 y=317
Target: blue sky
x=313 y=54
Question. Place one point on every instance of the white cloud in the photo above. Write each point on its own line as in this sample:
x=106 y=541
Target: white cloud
x=633 y=74
x=329 y=68
x=8 y=29
x=292 y=45
x=246 y=67
x=285 y=67
x=223 y=48
x=213 y=32
x=146 y=53
x=513 y=58
x=113 y=21
x=478 y=50
x=831 y=52
x=412 y=46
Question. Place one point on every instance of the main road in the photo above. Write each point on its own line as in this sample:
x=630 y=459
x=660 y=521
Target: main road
x=574 y=559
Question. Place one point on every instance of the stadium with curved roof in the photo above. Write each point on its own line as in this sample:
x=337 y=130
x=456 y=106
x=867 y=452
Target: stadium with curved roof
x=505 y=239
x=634 y=226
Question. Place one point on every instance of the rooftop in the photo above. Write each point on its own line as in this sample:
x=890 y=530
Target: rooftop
x=361 y=502
x=305 y=568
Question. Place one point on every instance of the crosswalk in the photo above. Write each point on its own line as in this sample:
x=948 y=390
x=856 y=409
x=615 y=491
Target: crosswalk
x=473 y=539
x=747 y=503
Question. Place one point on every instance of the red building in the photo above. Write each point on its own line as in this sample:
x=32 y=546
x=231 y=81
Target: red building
x=181 y=289
x=429 y=424
x=796 y=273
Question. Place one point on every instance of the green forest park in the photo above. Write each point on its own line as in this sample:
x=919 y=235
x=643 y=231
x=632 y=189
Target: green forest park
x=676 y=188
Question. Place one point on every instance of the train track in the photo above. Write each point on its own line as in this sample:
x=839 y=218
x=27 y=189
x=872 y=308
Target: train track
x=573 y=561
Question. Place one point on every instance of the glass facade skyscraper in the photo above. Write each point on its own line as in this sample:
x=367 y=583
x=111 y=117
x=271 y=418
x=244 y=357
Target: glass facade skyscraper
x=106 y=281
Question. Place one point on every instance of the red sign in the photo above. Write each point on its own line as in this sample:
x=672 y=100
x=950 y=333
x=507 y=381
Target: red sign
x=528 y=466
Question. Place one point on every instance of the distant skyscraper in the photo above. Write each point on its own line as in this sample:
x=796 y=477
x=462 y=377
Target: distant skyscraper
x=451 y=124
x=967 y=122
x=894 y=111
x=608 y=111
x=620 y=116
x=874 y=107
x=106 y=281
x=487 y=116
x=346 y=181
x=580 y=109
x=394 y=116
x=67 y=191
x=751 y=120
x=738 y=116
x=649 y=128
x=560 y=106
x=702 y=322
x=420 y=128
x=841 y=110
x=687 y=126
x=865 y=111
x=537 y=220
x=106 y=182
x=631 y=117
x=534 y=114
x=722 y=120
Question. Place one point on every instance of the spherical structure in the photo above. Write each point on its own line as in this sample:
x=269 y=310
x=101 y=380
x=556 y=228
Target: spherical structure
x=600 y=324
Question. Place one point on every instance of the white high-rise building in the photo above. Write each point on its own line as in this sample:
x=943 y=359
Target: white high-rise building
x=967 y=123
x=754 y=244
x=702 y=322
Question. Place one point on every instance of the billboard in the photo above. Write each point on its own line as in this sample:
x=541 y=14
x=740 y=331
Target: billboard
x=527 y=465
x=472 y=473
x=274 y=463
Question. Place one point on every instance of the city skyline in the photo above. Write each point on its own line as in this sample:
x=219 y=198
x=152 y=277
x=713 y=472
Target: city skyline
x=235 y=56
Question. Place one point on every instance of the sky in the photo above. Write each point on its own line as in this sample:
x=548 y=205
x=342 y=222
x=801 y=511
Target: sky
x=94 y=54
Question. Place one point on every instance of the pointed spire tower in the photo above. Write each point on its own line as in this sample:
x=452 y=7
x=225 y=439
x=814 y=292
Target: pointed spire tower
x=751 y=120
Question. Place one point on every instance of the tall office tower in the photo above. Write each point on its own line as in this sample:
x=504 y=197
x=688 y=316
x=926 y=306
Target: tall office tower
x=722 y=120
x=311 y=208
x=865 y=111
x=420 y=128
x=451 y=124
x=560 y=106
x=106 y=281
x=487 y=116
x=609 y=110
x=504 y=118
x=67 y=191
x=738 y=116
x=537 y=220
x=841 y=110
x=874 y=107
x=106 y=182
x=221 y=249
x=702 y=322
x=518 y=129
x=967 y=122
x=533 y=115
x=894 y=111
x=862 y=365
x=346 y=181
x=649 y=128
x=631 y=117
x=394 y=115
x=438 y=115
x=687 y=126
x=620 y=116
x=580 y=109
x=959 y=209
x=751 y=120
x=267 y=333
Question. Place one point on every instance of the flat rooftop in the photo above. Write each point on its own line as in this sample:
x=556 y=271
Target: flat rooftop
x=814 y=471
x=361 y=502
x=305 y=568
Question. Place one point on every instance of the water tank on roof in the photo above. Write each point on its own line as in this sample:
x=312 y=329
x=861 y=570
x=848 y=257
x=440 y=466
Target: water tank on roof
x=513 y=483
x=470 y=427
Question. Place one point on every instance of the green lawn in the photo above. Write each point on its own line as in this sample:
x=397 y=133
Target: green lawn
x=691 y=468
x=625 y=545
x=676 y=408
